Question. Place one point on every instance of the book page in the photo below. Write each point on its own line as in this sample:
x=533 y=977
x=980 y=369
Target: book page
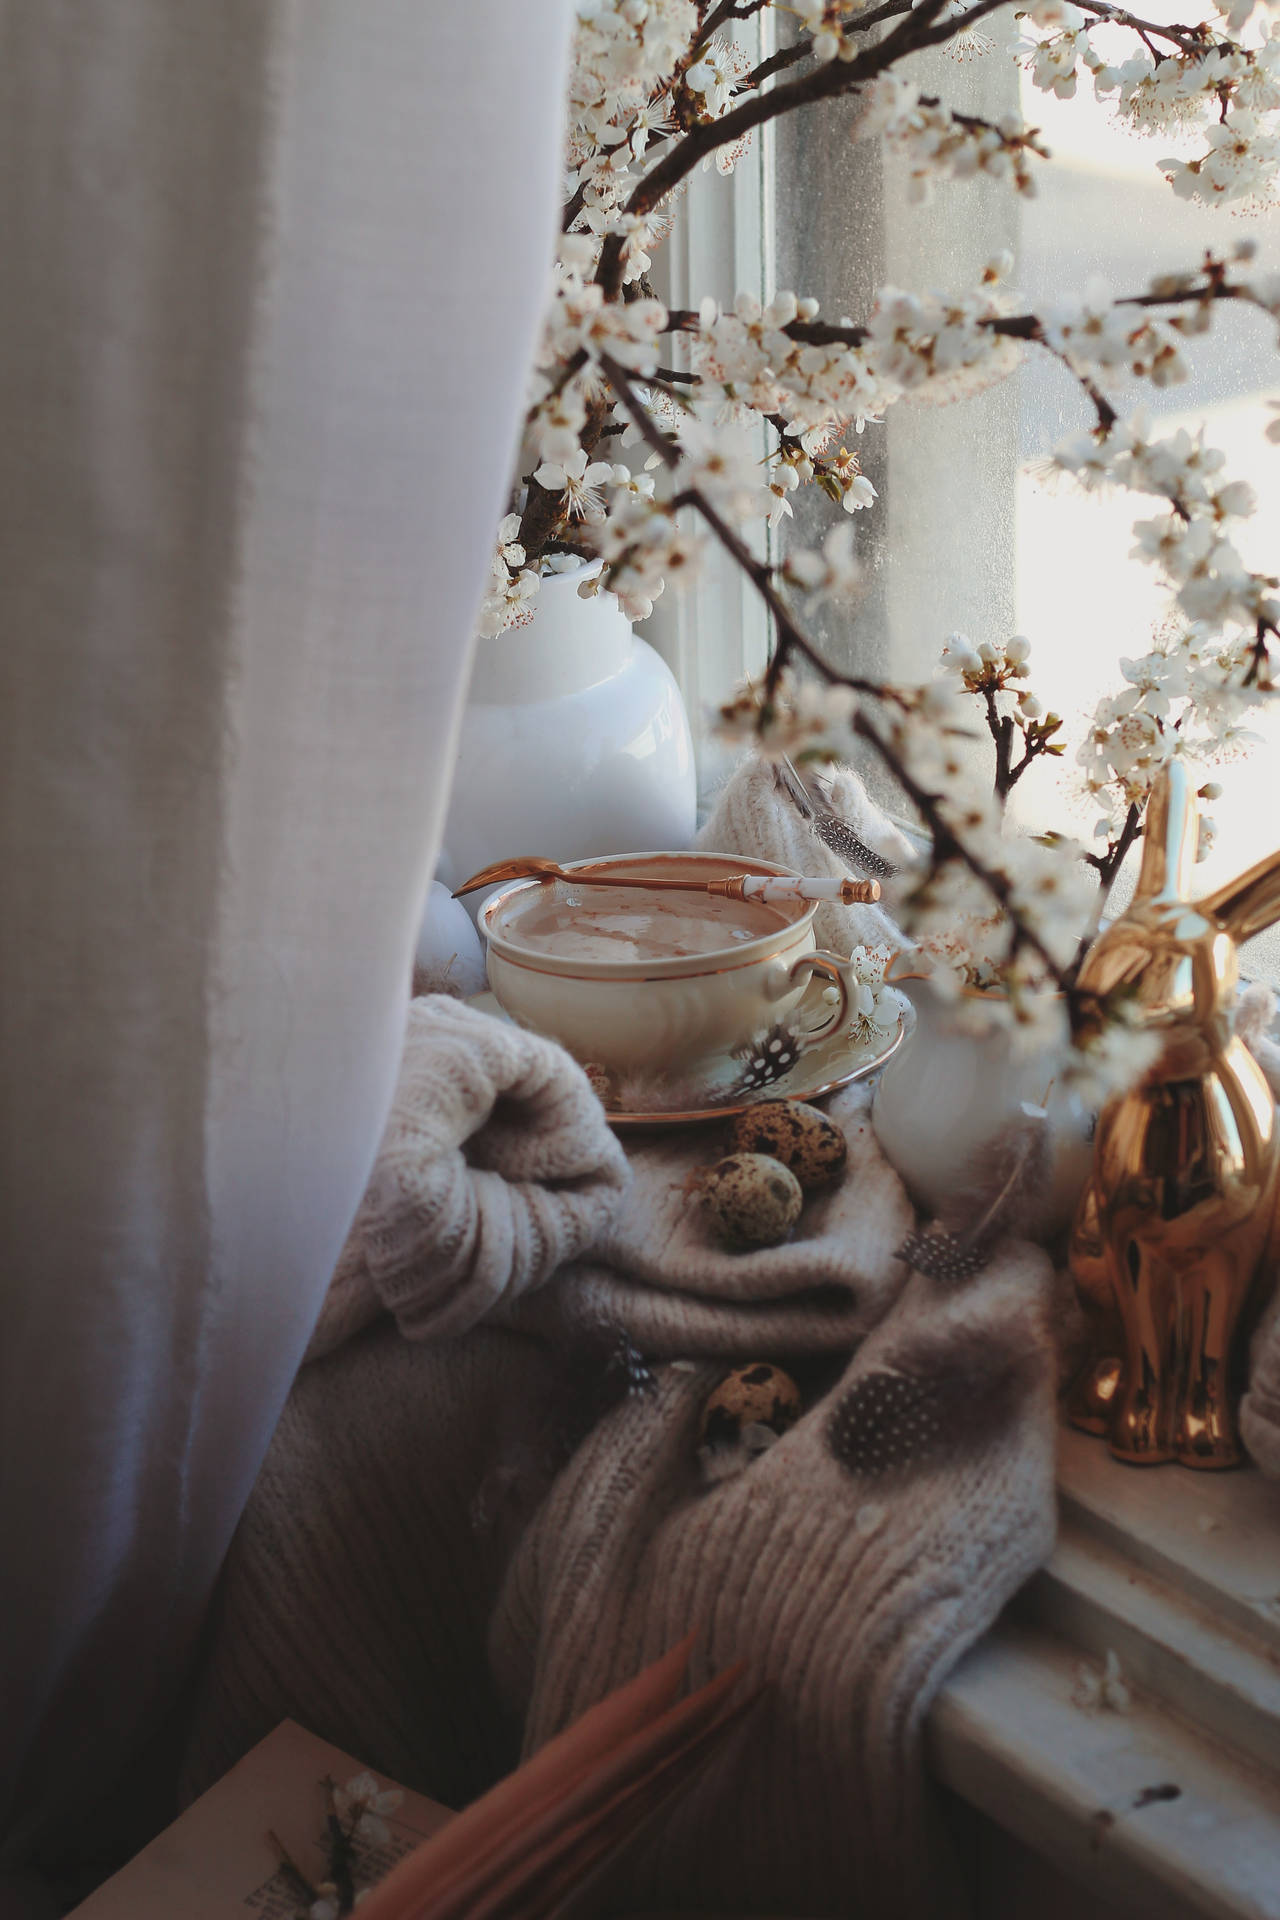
x=217 y=1862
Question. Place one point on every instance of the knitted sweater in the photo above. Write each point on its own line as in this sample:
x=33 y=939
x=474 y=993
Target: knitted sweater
x=850 y=1564
x=495 y=1167
x=360 y=1581
x=449 y=1540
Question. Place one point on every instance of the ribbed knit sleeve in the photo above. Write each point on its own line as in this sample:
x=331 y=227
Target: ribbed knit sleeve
x=850 y=1565
x=496 y=1167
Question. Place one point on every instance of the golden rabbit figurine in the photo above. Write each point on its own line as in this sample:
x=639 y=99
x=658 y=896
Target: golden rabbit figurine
x=1174 y=1245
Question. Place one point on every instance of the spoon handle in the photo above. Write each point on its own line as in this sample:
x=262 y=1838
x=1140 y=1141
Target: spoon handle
x=735 y=886
x=770 y=888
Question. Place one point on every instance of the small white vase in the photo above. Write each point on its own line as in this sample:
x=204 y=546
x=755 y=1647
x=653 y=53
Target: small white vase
x=947 y=1092
x=574 y=740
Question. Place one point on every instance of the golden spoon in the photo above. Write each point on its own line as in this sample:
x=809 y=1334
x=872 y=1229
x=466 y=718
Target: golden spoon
x=736 y=886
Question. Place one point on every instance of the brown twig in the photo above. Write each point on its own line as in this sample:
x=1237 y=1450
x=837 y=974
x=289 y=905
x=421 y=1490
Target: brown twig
x=791 y=640
x=341 y=1851
x=830 y=80
x=291 y=1870
x=802 y=49
x=1186 y=39
x=573 y=206
x=1107 y=865
x=780 y=62
x=1000 y=727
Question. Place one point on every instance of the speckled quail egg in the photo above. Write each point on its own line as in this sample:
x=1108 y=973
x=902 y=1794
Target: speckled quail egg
x=752 y=1198
x=801 y=1137
x=755 y=1396
x=602 y=1083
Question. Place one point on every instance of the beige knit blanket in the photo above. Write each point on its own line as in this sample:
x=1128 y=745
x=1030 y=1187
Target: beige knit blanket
x=658 y=1272
x=851 y=1564
x=437 y=1485
x=496 y=1167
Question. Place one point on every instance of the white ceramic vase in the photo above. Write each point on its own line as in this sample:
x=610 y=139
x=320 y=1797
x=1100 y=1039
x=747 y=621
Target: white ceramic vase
x=947 y=1092
x=574 y=741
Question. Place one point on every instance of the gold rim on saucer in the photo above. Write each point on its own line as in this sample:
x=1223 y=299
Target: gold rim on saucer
x=823 y=1068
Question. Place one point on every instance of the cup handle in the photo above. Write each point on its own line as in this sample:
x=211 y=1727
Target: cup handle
x=829 y=967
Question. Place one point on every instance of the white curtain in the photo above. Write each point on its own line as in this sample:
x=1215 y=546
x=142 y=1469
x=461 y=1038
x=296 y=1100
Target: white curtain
x=272 y=274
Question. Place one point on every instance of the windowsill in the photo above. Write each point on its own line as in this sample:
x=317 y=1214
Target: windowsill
x=1179 y=1576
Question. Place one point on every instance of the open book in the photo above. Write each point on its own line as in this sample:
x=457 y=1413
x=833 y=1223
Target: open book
x=255 y=1844
x=218 y=1861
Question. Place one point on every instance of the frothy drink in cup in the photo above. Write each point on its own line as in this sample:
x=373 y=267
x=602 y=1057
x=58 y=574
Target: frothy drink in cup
x=625 y=924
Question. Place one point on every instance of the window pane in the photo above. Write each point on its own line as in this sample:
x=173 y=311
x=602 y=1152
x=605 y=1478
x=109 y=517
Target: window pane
x=1104 y=209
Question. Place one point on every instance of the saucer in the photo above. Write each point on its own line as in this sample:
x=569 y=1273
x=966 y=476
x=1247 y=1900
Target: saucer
x=776 y=1066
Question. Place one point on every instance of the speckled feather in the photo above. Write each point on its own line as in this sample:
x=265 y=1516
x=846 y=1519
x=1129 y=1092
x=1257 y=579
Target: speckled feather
x=826 y=824
x=940 y=1397
x=885 y=1422
x=1008 y=1179
x=942 y=1257
x=600 y=1367
x=768 y=1058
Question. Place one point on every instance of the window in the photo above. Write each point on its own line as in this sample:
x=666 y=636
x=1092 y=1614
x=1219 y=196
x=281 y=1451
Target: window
x=969 y=531
x=1104 y=209
x=1175 y=1578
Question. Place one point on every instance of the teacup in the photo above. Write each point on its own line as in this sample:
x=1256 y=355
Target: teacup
x=636 y=981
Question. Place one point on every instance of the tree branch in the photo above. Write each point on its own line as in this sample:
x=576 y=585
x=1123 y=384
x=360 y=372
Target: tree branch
x=780 y=62
x=1186 y=39
x=920 y=28
x=1001 y=730
x=791 y=640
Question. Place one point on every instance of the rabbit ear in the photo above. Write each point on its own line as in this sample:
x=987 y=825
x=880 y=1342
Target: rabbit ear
x=1250 y=904
x=1170 y=833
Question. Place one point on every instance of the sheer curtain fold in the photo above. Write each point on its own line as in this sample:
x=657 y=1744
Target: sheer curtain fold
x=273 y=272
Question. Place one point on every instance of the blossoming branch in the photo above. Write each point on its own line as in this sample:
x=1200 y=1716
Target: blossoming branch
x=642 y=438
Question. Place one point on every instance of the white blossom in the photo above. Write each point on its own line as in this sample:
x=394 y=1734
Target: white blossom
x=643 y=76
x=1155 y=679
x=844 y=479
x=580 y=482
x=831 y=574
x=511 y=586
x=1241 y=161
x=556 y=425
x=1092 y=333
x=939 y=143
x=724 y=465
x=365 y=1803
x=801 y=718
x=643 y=547
x=875 y=1009
x=1110 y=1061
x=828 y=21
